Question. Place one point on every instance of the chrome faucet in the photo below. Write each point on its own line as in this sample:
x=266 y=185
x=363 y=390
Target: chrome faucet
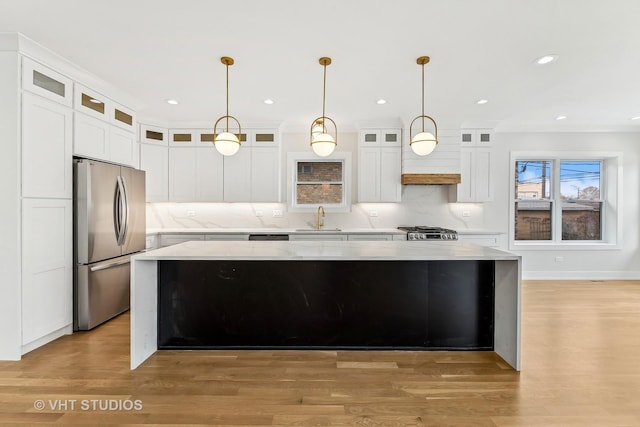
x=320 y=220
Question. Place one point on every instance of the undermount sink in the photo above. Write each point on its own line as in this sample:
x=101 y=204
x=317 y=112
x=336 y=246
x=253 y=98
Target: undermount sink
x=322 y=229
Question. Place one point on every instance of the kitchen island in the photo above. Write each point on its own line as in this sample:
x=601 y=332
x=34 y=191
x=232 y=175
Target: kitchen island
x=398 y=295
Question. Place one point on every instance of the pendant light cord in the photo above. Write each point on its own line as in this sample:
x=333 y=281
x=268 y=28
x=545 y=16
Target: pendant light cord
x=324 y=90
x=227 y=129
x=422 y=97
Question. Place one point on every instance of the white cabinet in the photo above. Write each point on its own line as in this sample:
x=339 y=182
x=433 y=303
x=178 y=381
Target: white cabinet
x=195 y=174
x=154 y=160
x=320 y=235
x=379 y=166
x=226 y=236
x=492 y=240
x=174 y=239
x=104 y=130
x=237 y=176
x=46 y=148
x=444 y=160
x=43 y=81
x=47 y=279
x=370 y=237
x=265 y=174
x=475 y=167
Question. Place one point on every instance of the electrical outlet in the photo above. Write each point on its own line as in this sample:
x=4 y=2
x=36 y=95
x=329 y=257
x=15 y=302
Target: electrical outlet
x=466 y=214
x=277 y=213
x=373 y=213
x=191 y=214
x=559 y=259
x=259 y=213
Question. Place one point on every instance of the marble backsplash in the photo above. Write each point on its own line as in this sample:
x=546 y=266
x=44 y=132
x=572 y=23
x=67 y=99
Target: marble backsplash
x=421 y=205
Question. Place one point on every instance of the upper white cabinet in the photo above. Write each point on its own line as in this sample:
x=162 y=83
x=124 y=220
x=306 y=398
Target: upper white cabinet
x=238 y=176
x=476 y=138
x=154 y=160
x=195 y=174
x=379 y=165
x=45 y=82
x=475 y=167
x=104 y=130
x=46 y=148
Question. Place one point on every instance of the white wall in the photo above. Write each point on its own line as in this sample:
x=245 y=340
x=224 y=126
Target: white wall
x=429 y=205
x=576 y=264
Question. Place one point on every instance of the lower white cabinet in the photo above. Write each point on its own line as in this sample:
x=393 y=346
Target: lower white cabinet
x=370 y=237
x=226 y=236
x=174 y=239
x=47 y=262
x=97 y=139
x=482 y=239
x=320 y=235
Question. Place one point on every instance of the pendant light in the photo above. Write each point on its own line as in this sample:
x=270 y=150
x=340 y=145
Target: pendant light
x=324 y=138
x=227 y=143
x=423 y=142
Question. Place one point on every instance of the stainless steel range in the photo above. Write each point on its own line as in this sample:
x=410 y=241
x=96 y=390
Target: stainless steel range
x=429 y=233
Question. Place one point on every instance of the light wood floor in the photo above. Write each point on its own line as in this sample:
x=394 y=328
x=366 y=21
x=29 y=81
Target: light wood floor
x=581 y=367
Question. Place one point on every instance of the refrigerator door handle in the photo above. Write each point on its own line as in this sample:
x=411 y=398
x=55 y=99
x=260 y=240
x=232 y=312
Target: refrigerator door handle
x=107 y=266
x=116 y=211
x=119 y=211
x=125 y=210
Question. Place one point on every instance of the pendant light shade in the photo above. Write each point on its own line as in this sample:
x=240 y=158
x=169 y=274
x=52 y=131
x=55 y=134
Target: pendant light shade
x=324 y=133
x=423 y=142
x=227 y=143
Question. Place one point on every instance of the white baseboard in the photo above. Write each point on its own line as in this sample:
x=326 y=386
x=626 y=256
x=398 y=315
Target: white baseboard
x=581 y=275
x=66 y=330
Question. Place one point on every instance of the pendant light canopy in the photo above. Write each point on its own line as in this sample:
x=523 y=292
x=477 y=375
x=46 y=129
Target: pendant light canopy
x=423 y=142
x=324 y=133
x=227 y=143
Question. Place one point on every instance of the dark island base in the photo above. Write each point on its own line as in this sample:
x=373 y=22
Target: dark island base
x=430 y=305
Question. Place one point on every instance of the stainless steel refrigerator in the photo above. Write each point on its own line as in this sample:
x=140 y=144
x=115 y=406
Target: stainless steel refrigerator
x=109 y=226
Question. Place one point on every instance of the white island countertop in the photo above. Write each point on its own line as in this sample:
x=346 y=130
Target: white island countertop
x=326 y=250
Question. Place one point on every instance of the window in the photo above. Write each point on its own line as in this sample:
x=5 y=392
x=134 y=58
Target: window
x=563 y=200
x=316 y=182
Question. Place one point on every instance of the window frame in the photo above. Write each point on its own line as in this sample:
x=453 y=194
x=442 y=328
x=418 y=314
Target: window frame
x=293 y=158
x=610 y=197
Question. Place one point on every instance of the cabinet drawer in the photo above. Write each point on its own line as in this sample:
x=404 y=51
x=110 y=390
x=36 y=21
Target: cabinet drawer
x=174 y=239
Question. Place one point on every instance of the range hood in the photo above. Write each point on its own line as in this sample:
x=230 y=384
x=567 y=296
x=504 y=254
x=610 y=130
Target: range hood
x=430 y=178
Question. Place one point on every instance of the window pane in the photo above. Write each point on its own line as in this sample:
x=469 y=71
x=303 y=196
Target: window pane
x=533 y=179
x=533 y=220
x=314 y=194
x=319 y=171
x=581 y=220
x=580 y=180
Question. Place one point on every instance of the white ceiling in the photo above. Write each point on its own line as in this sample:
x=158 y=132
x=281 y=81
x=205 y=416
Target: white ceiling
x=160 y=49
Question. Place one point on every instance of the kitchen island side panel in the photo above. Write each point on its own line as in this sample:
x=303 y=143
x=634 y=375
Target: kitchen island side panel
x=393 y=304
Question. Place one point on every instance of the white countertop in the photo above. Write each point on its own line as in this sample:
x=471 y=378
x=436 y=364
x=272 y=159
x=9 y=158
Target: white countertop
x=273 y=231
x=325 y=250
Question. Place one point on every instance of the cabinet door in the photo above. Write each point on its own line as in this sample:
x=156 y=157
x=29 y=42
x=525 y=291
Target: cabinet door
x=153 y=135
x=390 y=174
x=154 y=160
x=182 y=174
x=209 y=175
x=45 y=82
x=46 y=148
x=237 y=176
x=47 y=279
x=265 y=174
x=174 y=239
x=466 y=188
x=482 y=175
x=91 y=138
x=123 y=117
x=369 y=174
x=320 y=235
x=370 y=237
x=123 y=148
x=92 y=103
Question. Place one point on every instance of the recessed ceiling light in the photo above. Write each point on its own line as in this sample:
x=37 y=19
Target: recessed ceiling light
x=172 y=102
x=546 y=59
x=381 y=101
x=561 y=117
x=268 y=101
x=635 y=118
x=482 y=101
